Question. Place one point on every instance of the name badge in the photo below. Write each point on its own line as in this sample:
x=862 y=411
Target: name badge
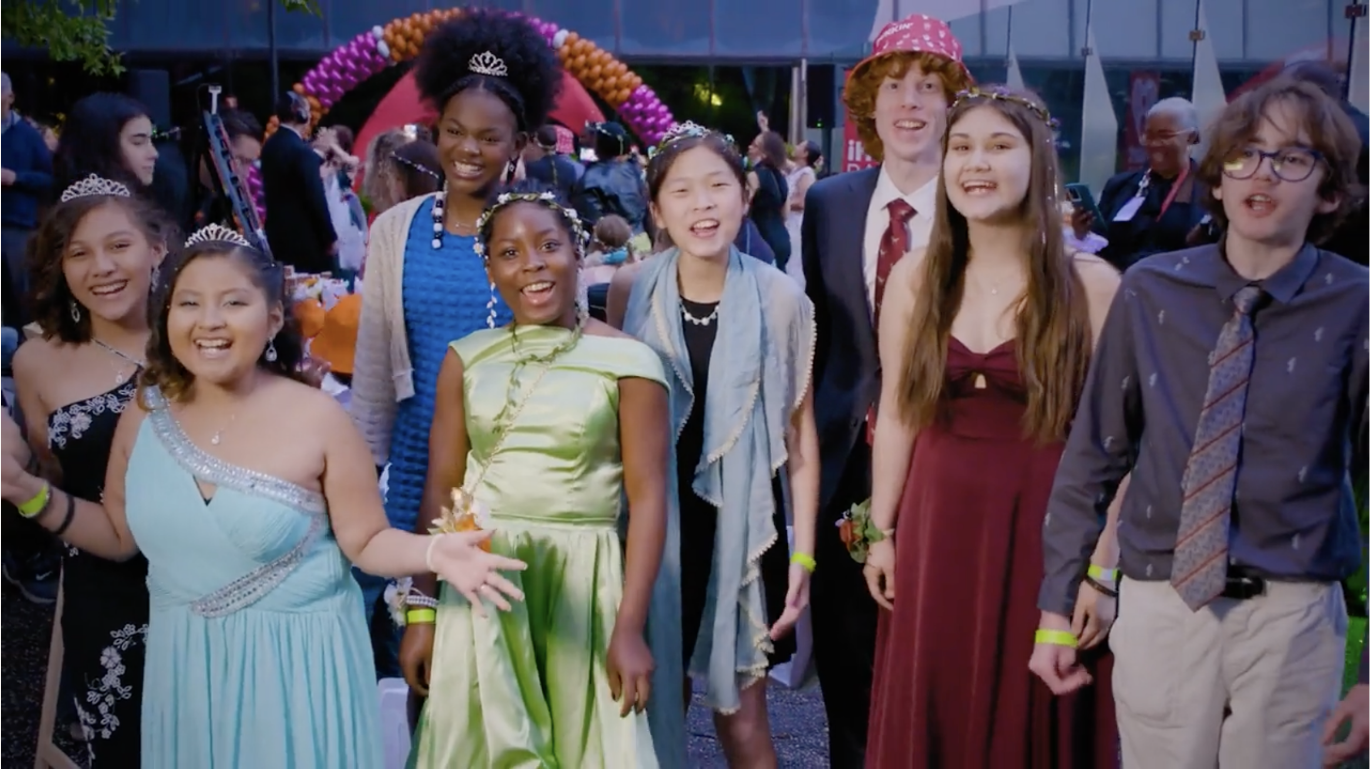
x=1129 y=209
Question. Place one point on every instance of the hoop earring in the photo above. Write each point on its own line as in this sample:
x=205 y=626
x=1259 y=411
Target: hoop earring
x=490 y=305
x=271 y=355
x=75 y=312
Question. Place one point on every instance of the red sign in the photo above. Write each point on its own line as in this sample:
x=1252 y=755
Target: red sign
x=1144 y=92
x=854 y=157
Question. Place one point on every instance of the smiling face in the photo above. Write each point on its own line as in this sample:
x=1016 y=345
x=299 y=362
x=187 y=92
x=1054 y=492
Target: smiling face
x=533 y=262
x=108 y=264
x=139 y=153
x=911 y=114
x=1264 y=208
x=988 y=165
x=477 y=137
x=219 y=319
x=1167 y=141
x=700 y=202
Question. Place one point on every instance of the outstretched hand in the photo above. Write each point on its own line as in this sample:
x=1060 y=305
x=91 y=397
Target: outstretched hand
x=458 y=559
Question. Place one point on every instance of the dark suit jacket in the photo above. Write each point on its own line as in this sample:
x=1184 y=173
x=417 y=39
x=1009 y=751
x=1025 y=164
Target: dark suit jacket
x=298 y=226
x=846 y=371
x=1146 y=234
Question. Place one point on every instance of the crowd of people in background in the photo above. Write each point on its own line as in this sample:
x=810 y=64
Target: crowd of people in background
x=1061 y=482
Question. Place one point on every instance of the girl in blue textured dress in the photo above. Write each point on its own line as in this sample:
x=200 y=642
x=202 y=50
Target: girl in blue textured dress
x=248 y=491
x=493 y=78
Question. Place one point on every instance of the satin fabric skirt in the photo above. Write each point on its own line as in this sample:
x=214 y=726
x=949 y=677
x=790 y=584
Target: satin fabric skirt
x=529 y=688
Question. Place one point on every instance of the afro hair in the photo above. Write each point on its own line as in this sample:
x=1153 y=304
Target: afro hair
x=534 y=79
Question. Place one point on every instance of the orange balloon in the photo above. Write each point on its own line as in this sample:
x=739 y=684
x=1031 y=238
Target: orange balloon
x=578 y=65
x=595 y=71
x=313 y=102
x=572 y=38
x=298 y=88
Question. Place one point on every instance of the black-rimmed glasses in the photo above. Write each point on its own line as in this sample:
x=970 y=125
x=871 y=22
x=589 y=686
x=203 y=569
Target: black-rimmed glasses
x=1291 y=164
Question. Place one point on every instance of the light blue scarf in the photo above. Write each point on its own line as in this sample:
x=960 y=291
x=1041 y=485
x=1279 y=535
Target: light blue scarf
x=759 y=372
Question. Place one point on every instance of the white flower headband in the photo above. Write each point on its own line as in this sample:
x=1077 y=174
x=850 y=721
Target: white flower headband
x=578 y=232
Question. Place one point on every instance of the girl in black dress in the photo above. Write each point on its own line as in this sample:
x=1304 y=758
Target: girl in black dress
x=93 y=262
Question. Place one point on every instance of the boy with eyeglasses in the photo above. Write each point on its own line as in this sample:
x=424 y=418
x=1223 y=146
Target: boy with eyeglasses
x=1230 y=380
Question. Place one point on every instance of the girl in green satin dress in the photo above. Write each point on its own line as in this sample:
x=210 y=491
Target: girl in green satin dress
x=548 y=424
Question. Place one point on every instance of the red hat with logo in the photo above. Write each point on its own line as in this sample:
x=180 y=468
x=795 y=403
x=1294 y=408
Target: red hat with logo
x=918 y=33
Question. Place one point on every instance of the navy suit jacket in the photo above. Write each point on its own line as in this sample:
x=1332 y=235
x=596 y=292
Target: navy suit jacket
x=846 y=370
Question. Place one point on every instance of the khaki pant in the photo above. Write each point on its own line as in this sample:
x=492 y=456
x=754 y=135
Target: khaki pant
x=1237 y=685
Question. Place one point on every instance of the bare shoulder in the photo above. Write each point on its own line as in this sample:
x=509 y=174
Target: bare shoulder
x=36 y=356
x=600 y=328
x=625 y=276
x=1099 y=278
x=309 y=405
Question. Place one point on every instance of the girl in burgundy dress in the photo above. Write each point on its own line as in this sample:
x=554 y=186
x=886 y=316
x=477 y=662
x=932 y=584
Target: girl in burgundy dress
x=985 y=339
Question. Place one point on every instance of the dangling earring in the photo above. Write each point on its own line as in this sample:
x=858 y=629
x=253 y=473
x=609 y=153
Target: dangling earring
x=490 y=305
x=156 y=278
x=513 y=169
x=438 y=225
x=271 y=355
x=75 y=312
x=582 y=300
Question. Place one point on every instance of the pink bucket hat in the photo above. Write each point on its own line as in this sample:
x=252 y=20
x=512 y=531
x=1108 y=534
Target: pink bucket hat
x=918 y=33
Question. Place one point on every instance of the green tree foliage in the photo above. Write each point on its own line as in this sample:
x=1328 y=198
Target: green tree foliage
x=78 y=30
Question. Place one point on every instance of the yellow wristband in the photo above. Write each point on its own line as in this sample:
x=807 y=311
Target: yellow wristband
x=38 y=503
x=805 y=560
x=420 y=617
x=1057 y=638
x=1100 y=573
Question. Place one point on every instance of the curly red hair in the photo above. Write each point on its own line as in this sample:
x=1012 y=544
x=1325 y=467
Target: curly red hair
x=864 y=83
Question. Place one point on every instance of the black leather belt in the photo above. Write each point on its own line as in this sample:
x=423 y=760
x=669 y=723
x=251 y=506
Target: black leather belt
x=1242 y=586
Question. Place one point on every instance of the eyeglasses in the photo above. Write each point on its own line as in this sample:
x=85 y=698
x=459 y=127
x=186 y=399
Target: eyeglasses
x=1291 y=164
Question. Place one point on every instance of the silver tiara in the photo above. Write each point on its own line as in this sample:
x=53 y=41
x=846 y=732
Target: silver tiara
x=217 y=234
x=488 y=64
x=94 y=185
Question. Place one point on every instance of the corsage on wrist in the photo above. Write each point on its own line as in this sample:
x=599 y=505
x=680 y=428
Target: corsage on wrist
x=858 y=532
x=465 y=514
x=408 y=605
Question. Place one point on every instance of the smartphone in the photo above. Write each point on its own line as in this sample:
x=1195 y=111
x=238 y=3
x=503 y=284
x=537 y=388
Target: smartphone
x=1081 y=197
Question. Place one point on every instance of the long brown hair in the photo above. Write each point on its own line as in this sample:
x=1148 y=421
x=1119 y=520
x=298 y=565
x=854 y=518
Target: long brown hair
x=1052 y=319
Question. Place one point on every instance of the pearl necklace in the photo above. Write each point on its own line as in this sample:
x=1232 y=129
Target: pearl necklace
x=704 y=321
x=439 y=222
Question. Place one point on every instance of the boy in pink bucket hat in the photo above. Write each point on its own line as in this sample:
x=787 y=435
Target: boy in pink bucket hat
x=856 y=226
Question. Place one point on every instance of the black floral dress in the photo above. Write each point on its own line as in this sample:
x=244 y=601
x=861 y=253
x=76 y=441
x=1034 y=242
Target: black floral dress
x=105 y=604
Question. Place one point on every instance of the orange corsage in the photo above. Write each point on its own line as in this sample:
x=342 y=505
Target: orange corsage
x=465 y=514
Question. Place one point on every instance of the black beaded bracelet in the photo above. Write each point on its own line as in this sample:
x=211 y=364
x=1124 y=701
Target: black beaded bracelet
x=68 y=518
x=1101 y=587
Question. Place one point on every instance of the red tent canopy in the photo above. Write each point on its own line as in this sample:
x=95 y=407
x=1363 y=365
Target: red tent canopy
x=403 y=106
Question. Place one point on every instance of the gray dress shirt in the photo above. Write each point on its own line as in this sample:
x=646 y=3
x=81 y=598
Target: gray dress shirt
x=1293 y=514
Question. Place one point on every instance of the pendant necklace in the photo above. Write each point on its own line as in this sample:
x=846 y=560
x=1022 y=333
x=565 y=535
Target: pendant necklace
x=439 y=220
x=218 y=436
x=119 y=376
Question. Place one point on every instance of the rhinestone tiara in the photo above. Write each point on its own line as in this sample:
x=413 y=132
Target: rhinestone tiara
x=215 y=233
x=94 y=185
x=687 y=130
x=488 y=64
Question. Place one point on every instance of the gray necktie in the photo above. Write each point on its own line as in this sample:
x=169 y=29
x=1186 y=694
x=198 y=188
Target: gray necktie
x=1199 y=571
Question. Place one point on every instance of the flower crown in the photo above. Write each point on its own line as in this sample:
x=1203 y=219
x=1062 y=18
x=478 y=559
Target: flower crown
x=687 y=130
x=578 y=232
x=215 y=233
x=1002 y=93
x=94 y=185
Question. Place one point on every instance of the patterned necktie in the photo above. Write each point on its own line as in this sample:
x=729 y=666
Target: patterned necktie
x=893 y=245
x=1199 y=570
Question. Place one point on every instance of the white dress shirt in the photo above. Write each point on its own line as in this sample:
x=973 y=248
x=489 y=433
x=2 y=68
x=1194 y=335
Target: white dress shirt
x=924 y=202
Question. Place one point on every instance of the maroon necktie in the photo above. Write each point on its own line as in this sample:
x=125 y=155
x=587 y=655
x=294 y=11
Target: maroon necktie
x=893 y=245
